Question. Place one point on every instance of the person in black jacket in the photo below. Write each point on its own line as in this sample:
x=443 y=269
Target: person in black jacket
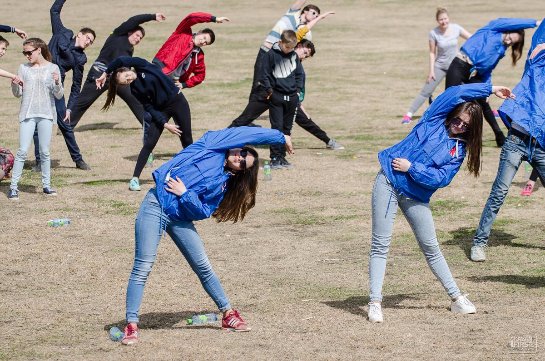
x=68 y=52
x=161 y=98
x=121 y=42
x=282 y=80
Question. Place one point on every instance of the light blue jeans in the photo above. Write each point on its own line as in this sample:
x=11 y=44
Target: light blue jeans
x=26 y=132
x=150 y=222
x=384 y=208
x=513 y=152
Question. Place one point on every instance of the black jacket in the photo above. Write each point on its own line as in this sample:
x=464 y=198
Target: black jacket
x=282 y=73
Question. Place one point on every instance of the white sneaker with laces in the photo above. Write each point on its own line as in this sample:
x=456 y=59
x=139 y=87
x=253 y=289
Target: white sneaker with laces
x=478 y=254
x=462 y=305
x=334 y=145
x=375 y=313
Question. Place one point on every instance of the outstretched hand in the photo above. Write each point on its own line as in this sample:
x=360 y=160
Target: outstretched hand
x=160 y=17
x=289 y=145
x=21 y=33
x=503 y=92
x=176 y=186
x=221 y=19
x=174 y=129
x=100 y=81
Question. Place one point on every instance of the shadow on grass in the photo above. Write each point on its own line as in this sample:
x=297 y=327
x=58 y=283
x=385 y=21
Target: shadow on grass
x=166 y=320
x=463 y=237
x=355 y=304
x=105 y=182
x=55 y=163
x=528 y=281
x=95 y=126
x=162 y=156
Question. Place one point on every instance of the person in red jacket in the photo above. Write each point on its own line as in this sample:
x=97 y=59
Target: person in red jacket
x=181 y=56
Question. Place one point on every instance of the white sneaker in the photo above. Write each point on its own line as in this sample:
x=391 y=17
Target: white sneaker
x=375 y=313
x=462 y=305
x=134 y=184
x=478 y=254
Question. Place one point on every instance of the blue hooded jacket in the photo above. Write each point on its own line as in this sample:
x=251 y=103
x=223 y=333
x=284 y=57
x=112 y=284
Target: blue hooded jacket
x=485 y=48
x=527 y=110
x=201 y=166
x=435 y=156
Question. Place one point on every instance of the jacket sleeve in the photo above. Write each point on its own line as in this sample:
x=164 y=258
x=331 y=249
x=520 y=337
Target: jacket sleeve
x=198 y=72
x=6 y=29
x=127 y=61
x=538 y=38
x=434 y=178
x=511 y=24
x=77 y=78
x=237 y=137
x=453 y=96
x=157 y=116
x=192 y=19
x=132 y=23
x=55 y=14
x=266 y=69
x=299 y=76
x=192 y=207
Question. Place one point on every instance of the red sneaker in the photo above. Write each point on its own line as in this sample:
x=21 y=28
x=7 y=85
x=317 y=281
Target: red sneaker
x=233 y=322
x=131 y=335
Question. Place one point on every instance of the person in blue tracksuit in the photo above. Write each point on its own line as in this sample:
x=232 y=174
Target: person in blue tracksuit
x=481 y=53
x=161 y=98
x=525 y=141
x=68 y=52
x=214 y=177
x=412 y=170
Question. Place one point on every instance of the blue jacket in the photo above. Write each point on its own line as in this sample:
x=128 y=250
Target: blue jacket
x=485 y=48
x=152 y=88
x=528 y=109
x=201 y=167
x=435 y=157
x=64 y=52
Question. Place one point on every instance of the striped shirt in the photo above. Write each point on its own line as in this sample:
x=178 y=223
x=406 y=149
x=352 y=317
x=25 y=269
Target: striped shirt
x=290 y=21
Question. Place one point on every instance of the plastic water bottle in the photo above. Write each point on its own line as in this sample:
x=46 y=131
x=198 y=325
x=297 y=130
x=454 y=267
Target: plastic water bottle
x=527 y=171
x=116 y=334
x=149 y=162
x=267 y=175
x=202 y=319
x=58 y=222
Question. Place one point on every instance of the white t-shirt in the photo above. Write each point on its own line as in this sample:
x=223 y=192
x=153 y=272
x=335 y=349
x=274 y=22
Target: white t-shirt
x=447 y=44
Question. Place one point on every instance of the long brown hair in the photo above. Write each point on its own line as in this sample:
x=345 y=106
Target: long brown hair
x=516 y=48
x=474 y=134
x=112 y=87
x=39 y=43
x=240 y=195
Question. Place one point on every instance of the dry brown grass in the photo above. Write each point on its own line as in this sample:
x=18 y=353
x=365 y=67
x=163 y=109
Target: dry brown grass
x=297 y=266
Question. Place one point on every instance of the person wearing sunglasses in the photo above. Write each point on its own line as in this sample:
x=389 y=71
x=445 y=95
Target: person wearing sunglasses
x=160 y=97
x=216 y=177
x=525 y=140
x=481 y=53
x=412 y=170
x=68 y=52
x=42 y=86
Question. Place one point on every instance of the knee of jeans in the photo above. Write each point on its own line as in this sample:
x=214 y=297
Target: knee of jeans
x=203 y=268
x=379 y=245
x=431 y=249
x=44 y=154
x=141 y=270
x=21 y=154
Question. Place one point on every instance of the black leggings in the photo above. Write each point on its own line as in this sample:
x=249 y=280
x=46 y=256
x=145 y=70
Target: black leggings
x=177 y=109
x=534 y=175
x=459 y=72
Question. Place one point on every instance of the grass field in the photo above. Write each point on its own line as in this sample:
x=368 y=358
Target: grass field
x=296 y=267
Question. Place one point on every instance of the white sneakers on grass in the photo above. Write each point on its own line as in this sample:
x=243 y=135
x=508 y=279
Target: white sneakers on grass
x=375 y=313
x=478 y=254
x=462 y=305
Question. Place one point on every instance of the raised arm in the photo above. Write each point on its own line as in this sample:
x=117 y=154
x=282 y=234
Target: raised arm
x=511 y=24
x=298 y=4
x=55 y=14
x=193 y=19
x=133 y=22
x=11 y=29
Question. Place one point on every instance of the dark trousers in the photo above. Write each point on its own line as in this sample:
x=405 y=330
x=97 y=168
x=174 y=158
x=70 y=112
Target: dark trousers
x=177 y=109
x=304 y=121
x=282 y=111
x=459 y=72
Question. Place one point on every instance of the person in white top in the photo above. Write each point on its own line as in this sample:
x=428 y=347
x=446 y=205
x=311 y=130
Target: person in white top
x=443 y=41
x=41 y=84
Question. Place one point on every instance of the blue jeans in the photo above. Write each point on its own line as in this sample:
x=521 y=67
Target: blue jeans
x=384 y=208
x=513 y=152
x=150 y=222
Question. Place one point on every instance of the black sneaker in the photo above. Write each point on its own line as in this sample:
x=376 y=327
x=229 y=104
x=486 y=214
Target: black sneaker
x=13 y=195
x=276 y=163
x=285 y=163
x=80 y=164
x=50 y=192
